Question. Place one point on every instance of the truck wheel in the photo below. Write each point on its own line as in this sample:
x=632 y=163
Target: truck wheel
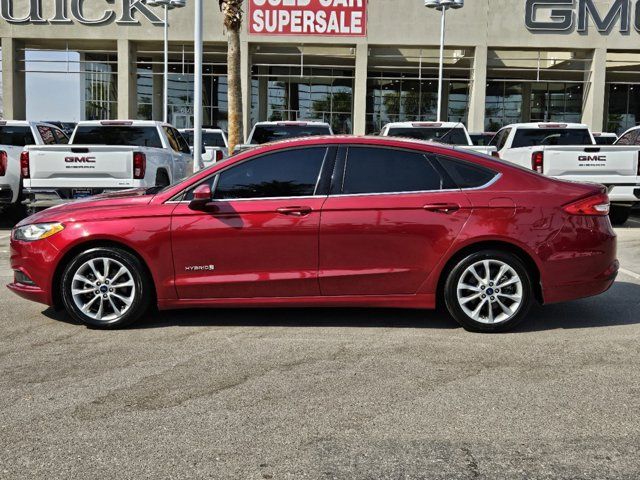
x=162 y=179
x=489 y=291
x=619 y=214
x=106 y=287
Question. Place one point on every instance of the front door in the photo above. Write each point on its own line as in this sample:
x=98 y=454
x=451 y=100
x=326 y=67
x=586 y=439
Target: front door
x=392 y=219
x=262 y=238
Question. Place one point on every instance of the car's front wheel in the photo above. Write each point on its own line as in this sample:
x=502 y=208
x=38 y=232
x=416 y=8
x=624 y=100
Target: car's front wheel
x=106 y=287
x=489 y=291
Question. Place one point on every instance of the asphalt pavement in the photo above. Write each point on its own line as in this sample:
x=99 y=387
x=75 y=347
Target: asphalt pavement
x=324 y=394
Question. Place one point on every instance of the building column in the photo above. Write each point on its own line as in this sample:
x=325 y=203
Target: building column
x=478 y=93
x=526 y=102
x=263 y=94
x=157 y=89
x=594 y=93
x=127 y=94
x=13 y=80
x=245 y=83
x=360 y=89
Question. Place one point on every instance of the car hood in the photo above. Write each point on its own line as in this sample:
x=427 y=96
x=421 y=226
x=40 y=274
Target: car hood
x=106 y=205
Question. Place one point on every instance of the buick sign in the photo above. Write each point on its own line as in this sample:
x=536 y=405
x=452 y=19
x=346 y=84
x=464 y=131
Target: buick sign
x=567 y=15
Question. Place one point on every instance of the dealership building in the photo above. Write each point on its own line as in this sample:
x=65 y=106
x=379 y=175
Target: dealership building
x=353 y=63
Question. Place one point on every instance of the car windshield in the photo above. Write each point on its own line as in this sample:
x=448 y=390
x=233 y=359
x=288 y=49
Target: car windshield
x=450 y=136
x=209 y=139
x=531 y=137
x=16 y=136
x=270 y=133
x=117 y=135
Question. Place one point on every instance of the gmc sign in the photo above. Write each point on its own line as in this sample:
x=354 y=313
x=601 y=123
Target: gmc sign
x=567 y=15
x=80 y=159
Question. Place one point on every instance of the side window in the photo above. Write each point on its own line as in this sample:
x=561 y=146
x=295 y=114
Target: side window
x=500 y=139
x=173 y=141
x=465 y=174
x=291 y=173
x=60 y=136
x=629 y=138
x=182 y=143
x=46 y=134
x=386 y=170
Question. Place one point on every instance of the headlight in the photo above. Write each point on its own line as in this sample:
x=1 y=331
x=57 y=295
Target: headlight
x=37 y=231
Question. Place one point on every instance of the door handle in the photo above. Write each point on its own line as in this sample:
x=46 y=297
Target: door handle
x=295 y=211
x=442 y=207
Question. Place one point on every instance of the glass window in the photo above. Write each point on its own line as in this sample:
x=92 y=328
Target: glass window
x=500 y=139
x=290 y=173
x=60 y=136
x=184 y=146
x=117 y=135
x=16 y=136
x=209 y=139
x=605 y=140
x=270 y=133
x=629 y=138
x=465 y=174
x=450 y=136
x=46 y=134
x=385 y=170
x=529 y=137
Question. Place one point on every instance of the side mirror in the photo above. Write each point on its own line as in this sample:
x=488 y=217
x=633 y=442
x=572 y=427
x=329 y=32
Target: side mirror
x=201 y=198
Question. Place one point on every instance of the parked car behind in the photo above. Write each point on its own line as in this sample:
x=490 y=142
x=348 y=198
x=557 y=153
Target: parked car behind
x=603 y=138
x=214 y=141
x=104 y=156
x=568 y=151
x=265 y=132
x=481 y=139
x=15 y=135
x=326 y=221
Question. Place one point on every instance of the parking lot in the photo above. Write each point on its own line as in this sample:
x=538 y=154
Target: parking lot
x=335 y=393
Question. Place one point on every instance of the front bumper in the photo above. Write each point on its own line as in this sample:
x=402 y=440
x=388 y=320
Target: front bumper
x=37 y=261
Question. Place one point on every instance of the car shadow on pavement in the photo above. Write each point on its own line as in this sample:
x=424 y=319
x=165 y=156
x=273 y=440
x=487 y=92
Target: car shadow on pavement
x=619 y=306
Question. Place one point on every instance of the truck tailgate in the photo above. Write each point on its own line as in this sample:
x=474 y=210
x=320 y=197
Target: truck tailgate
x=74 y=162
x=603 y=161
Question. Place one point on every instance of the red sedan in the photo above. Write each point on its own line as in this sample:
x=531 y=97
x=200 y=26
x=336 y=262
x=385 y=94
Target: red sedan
x=336 y=221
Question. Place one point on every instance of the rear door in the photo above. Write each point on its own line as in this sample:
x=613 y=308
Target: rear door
x=390 y=218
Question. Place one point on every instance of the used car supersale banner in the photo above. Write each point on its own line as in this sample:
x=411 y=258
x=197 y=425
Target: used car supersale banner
x=308 y=17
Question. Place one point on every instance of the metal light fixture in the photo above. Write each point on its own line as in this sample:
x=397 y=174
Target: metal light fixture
x=442 y=6
x=168 y=5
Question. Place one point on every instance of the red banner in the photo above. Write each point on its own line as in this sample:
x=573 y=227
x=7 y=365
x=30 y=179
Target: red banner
x=346 y=18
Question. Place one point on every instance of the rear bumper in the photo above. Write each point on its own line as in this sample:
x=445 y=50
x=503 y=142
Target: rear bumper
x=580 y=289
x=629 y=194
x=49 y=197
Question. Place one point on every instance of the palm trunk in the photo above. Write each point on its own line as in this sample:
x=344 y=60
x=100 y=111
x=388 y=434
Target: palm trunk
x=234 y=92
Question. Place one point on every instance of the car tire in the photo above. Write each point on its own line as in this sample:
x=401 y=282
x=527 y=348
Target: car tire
x=619 y=214
x=106 y=287
x=162 y=179
x=493 y=300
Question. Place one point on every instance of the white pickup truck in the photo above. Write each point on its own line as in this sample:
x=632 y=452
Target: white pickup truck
x=265 y=132
x=104 y=156
x=15 y=135
x=214 y=143
x=449 y=133
x=568 y=151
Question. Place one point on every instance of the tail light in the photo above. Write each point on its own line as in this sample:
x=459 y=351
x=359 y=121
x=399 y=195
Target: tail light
x=495 y=154
x=3 y=163
x=219 y=155
x=594 y=205
x=25 y=171
x=139 y=165
x=537 y=162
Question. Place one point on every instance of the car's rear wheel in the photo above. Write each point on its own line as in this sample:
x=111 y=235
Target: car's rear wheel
x=619 y=214
x=489 y=291
x=106 y=287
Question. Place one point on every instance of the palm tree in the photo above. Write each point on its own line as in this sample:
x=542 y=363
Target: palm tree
x=232 y=10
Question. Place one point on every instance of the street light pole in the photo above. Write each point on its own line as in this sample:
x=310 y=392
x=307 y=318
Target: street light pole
x=442 y=6
x=167 y=5
x=197 y=86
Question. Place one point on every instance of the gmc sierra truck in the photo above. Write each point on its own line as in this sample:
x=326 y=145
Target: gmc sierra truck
x=104 y=156
x=568 y=151
x=214 y=143
x=14 y=137
x=449 y=133
x=265 y=132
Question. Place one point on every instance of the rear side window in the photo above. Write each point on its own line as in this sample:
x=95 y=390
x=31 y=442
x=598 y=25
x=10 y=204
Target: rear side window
x=60 y=136
x=465 y=174
x=450 y=136
x=213 y=139
x=46 y=133
x=629 y=138
x=530 y=137
x=16 y=136
x=386 y=170
x=176 y=141
x=117 y=135
x=289 y=173
x=500 y=139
